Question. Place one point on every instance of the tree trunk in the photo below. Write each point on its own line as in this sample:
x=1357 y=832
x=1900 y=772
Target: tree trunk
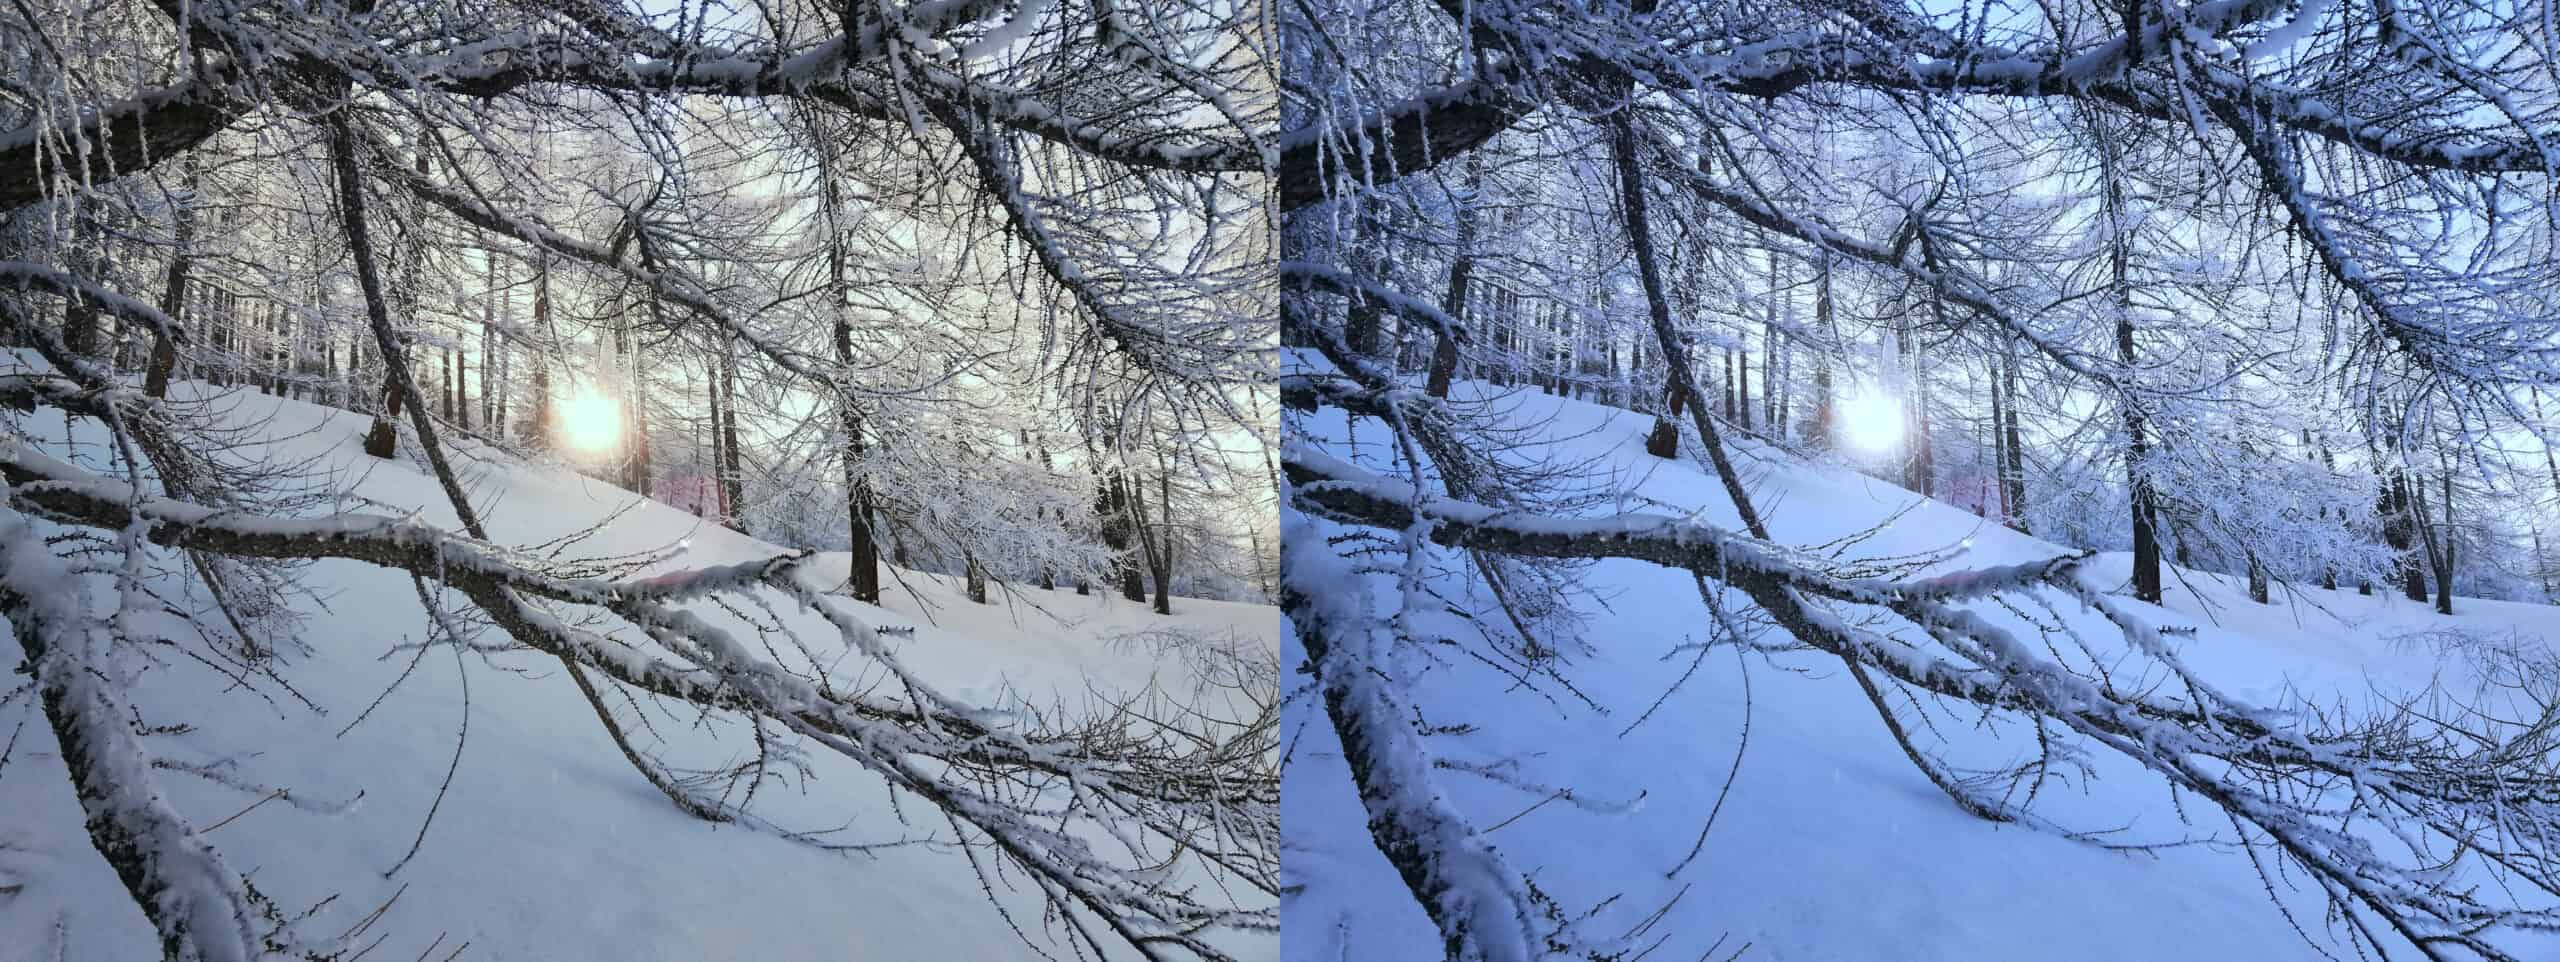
x=1818 y=433
x=173 y=291
x=1161 y=558
x=1631 y=193
x=1725 y=387
x=1664 y=441
x=857 y=482
x=1133 y=585
x=2146 y=539
x=2328 y=464
x=2444 y=560
x=1360 y=330
x=2542 y=569
x=733 y=475
x=1769 y=352
x=537 y=432
x=2400 y=532
x=384 y=438
x=1742 y=386
x=80 y=315
x=861 y=512
x=1444 y=348
x=497 y=355
x=2000 y=450
x=1111 y=507
x=2013 y=472
x=1048 y=575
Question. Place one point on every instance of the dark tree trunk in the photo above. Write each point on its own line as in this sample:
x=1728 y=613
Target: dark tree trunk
x=1048 y=575
x=1133 y=507
x=2444 y=557
x=733 y=475
x=537 y=431
x=858 y=507
x=2542 y=569
x=173 y=291
x=383 y=439
x=1160 y=558
x=1453 y=302
x=857 y=483
x=2329 y=464
x=1361 y=329
x=2399 y=531
x=1664 y=441
x=2000 y=451
x=1133 y=583
x=1818 y=433
x=1769 y=388
x=498 y=355
x=1622 y=144
x=1742 y=385
x=2146 y=538
x=2013 y=472
x=1111 y=505
x=80 y=315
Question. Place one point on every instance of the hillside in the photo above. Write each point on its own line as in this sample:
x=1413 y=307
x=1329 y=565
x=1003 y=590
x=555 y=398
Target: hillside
x=546 y=845
x=1830 y=845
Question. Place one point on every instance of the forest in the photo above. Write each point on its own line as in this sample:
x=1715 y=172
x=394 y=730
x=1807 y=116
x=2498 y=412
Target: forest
x=2197 y=315
x=716 y=339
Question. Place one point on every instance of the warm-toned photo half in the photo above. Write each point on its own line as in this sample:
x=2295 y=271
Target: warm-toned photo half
x=637 y=480
x=1920 y=480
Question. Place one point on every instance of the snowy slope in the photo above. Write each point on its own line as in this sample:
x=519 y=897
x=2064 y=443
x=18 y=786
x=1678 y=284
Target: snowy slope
x=1830 y=846
x=548 y=846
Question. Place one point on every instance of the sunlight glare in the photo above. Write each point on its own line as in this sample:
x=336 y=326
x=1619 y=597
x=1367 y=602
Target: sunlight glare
x=590 y=421
x=1871 y=420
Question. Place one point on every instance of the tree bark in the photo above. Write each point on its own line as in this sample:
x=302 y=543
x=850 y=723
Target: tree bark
x=2400 y=531
x=1769 y=388
x=857 y=483
x=1133 y=585
x=1444 y=348
x=2146 y=537
x=1818 y=433
x=2444 y=559
x=81 y=318
x=733 y=476
x=173 y=290
x=537 y=432
x=1160 y=559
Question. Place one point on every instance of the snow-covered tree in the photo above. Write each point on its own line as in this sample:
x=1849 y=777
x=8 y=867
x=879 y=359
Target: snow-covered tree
x=826 y=273
x=2255 y=288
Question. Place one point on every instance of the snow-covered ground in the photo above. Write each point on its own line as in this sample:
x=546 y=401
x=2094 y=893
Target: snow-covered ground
x=547 y=845
x=1830 y=845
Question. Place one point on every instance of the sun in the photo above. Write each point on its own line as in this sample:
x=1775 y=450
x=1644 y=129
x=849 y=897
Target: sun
x=1871 y=421
x=589 y=420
